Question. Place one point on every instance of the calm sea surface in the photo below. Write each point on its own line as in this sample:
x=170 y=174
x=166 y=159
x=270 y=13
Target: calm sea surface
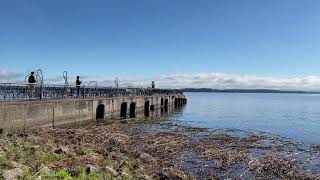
x=294 y=116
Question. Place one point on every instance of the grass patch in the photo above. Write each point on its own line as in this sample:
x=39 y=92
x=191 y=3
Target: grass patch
x=5 y=163
x=48 y=157
x=82 y=175
x=26 y=174
x=59 y=174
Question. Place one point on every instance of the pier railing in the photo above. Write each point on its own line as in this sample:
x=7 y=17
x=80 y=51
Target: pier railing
x=25 y=92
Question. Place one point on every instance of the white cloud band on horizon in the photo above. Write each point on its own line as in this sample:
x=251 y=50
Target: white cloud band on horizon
x=200 y=80
x=225 y=81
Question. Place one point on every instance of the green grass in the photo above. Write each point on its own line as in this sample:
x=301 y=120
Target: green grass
x=5 y=163
x=84 y=176
x=60 y=174
x=47 y=157
x=23 y=152
x=26 y=174
x=10 y=150
x=64 y=174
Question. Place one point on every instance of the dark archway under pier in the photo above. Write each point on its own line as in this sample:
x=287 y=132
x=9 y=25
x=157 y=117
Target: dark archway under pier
x=152 y=108
x=184 y=101
x=147 y=108
x=123 y=111
x=132 y=110
x=100 y=111
x=166 y=103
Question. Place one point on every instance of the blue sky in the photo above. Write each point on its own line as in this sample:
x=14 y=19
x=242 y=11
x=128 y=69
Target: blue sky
x=134 y=39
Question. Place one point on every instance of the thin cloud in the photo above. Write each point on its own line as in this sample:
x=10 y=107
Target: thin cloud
x=8 y=75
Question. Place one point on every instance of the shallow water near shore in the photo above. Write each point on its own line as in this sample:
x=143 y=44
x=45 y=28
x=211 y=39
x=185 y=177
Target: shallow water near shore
x=294 y=116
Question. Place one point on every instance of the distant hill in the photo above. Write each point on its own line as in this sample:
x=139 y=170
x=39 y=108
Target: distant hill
x=245 y=91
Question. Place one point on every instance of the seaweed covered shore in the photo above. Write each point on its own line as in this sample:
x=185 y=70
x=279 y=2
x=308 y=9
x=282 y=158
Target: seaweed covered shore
x=134 y=149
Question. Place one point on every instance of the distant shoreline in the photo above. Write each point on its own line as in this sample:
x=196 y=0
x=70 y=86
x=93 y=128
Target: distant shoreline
x=246 y=91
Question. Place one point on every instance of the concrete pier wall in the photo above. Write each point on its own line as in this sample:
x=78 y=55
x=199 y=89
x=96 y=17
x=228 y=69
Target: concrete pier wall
x=56 y=112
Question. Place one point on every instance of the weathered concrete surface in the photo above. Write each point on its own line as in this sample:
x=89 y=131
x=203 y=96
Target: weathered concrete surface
x=54 y=112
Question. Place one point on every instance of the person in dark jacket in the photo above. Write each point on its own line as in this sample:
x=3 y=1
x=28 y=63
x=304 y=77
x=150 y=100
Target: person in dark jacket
x=31 y=78
x=78 y=83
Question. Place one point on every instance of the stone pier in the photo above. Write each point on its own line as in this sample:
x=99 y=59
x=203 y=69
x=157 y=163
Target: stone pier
x=27 y=114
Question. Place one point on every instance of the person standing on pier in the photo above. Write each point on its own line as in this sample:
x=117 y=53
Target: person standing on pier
x=32 y=79
x=78 y=83
x=31 y=86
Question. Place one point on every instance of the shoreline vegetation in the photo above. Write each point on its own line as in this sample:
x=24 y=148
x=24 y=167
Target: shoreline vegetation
x=247 y=91
x=145 y=149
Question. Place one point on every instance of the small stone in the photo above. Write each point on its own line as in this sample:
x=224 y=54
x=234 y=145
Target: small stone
x=22 y=135
x=91 y=169
x=15 y=164
x=113 y=172
x=1 y=131
x=316 y=147
x=147 y=158
x=218 y=164
x=2 y=142
x=124 y=122
x=145 y=177
x=125 y=175
x=172 y=173
x=44 y=171
x=34 y=149
x=12 y=174
x=18 y=165
x=61 y=150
